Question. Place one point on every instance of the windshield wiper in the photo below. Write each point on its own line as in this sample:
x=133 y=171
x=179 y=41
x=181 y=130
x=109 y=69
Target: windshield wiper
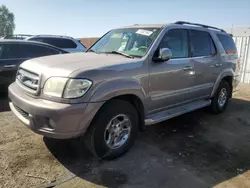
x=120 y=53
x=90 y=50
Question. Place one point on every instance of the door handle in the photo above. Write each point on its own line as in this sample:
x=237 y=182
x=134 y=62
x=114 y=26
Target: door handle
x=187 y=68
x=9 y=66
x=218 y=64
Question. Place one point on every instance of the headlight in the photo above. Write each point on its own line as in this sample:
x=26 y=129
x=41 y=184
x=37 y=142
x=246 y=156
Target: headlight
x=76 y=88
x=54 y=86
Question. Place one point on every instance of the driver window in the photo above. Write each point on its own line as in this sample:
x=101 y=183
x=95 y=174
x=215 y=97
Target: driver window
x=177 y=41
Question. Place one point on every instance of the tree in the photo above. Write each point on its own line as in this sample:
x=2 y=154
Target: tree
x=7 y=25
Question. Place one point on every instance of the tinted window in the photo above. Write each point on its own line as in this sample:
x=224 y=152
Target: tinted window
x=10 y=51
x=1 y=50
x=177 y=41
x=58 y=42
x=31 y=51
x=227 y=43
x=201 y=44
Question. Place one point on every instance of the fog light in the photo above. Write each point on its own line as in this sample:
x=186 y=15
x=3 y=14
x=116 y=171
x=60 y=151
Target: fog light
x=52 y=123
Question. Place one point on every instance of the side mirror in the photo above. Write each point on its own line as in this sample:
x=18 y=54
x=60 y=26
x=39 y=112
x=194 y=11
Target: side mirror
x=164 y=55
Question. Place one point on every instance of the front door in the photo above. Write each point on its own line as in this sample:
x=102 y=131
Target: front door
x=171 y=81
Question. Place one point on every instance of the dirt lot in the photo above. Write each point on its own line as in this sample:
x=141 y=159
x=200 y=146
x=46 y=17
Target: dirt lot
x=195 y=150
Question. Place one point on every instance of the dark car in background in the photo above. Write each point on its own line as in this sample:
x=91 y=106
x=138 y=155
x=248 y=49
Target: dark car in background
x=66 y=43
x=14 y=52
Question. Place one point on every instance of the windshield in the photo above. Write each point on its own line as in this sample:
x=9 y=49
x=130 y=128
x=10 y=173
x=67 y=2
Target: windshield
x=134 y=42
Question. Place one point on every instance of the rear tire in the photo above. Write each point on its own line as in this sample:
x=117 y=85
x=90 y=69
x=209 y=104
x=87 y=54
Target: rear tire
x=113 y=131
x=221 y=98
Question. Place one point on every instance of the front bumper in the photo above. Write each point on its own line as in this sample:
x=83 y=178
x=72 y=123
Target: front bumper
x=51 y=119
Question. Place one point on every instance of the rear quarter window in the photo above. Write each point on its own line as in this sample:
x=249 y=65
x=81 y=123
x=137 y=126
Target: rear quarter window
x=227 y=43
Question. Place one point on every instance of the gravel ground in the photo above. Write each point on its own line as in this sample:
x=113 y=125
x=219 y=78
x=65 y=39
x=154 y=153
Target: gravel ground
x=194 y=150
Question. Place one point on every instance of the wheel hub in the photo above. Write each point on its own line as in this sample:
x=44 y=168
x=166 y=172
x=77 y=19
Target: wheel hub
x=117 y=131
x=222 y=97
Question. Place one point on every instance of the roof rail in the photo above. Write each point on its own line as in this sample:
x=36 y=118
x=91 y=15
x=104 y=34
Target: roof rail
x=201 y=25
x=48 y=35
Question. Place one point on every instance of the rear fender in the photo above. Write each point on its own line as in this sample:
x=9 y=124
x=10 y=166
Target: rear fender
x=223 y=74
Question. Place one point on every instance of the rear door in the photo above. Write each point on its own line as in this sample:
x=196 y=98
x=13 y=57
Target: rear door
x=10 y=59
x=206 y=62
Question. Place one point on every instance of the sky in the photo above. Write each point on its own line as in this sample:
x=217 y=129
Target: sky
x=93 y=18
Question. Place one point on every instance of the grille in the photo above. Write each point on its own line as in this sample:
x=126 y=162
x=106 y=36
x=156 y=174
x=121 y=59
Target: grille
x=28 y=79
x=22 y=112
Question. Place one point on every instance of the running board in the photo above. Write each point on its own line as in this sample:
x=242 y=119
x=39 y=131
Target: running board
x=173 y=112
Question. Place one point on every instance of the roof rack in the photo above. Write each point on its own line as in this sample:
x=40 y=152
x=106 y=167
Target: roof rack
x=201 y=25
x=48 y=35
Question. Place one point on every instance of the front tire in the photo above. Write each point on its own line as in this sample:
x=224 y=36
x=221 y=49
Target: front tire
x=113 y=131
x=221 y=98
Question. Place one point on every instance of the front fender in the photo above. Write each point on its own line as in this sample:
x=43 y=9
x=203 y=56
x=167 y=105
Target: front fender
x=223 y=74
x=118 y=87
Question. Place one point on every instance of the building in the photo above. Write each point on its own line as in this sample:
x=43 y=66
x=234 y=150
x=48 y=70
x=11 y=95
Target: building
x=89 y=41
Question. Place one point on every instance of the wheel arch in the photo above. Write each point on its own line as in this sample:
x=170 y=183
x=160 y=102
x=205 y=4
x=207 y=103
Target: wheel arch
x=133 y=100
x=128 y=89
x=137 y=103
x=226 y=75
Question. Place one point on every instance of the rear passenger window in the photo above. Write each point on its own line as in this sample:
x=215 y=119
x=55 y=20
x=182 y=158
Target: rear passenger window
x=177 y=41
x=201 y=44
x=31 y=51
x=227 y=43
x=58 y=42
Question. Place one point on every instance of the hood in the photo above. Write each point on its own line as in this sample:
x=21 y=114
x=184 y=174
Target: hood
x=65 y=64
